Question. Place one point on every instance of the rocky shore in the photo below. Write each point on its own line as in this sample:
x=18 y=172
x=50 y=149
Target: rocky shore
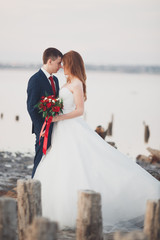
x=14 y=166
x=150 y=163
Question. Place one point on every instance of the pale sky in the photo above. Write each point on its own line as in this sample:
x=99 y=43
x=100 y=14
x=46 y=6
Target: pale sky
x=102 y=31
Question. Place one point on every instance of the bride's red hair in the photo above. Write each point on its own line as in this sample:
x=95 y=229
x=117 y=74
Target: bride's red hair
x=74 y=63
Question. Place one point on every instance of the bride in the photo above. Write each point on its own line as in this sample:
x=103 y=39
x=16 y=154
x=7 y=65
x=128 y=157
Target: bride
x=80 y=159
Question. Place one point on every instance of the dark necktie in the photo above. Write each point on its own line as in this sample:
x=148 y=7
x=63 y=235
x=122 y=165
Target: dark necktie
x=53 y=85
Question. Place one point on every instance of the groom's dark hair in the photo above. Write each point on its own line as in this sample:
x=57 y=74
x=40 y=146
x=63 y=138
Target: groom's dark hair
x=52 y=53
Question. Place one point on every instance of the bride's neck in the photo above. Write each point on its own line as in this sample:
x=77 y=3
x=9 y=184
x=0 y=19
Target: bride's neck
x=70 y=78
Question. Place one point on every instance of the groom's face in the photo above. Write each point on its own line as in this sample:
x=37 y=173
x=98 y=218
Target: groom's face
x=55 y=65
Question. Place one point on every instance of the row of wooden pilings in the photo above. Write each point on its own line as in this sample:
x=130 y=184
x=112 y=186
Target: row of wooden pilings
x=22 y=218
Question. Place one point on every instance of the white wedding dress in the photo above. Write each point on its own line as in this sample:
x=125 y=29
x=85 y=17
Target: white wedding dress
x=80 y=159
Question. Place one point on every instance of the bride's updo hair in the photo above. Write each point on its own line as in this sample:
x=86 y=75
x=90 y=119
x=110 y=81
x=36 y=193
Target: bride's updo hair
x=74 y=63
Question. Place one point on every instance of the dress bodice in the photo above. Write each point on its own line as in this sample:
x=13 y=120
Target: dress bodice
x=68 y=100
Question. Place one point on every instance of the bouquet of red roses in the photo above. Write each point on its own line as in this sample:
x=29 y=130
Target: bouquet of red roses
x=49 y=106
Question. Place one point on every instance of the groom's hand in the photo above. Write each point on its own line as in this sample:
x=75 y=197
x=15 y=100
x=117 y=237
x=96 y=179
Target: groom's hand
x=43 y=133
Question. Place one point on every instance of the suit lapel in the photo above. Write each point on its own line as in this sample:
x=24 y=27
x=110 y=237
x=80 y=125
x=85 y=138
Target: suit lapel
x=46 y=82
x=48 y=85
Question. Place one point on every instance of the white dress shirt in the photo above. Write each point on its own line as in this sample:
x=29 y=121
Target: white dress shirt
x=48 y=75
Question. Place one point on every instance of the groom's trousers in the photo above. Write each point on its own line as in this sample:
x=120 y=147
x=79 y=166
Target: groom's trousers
x=39 y=149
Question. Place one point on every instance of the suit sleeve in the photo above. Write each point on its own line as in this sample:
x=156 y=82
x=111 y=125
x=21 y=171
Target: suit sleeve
x=33 y=97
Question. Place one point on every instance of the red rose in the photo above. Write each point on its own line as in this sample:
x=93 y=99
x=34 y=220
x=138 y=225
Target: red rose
x=49 y=105
x=50 y=97
x=56 y=109
x=44 y=108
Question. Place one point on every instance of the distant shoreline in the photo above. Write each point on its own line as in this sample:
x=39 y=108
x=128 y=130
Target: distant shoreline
x=148 y=69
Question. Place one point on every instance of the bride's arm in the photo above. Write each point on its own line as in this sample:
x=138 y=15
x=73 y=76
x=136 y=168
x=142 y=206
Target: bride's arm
x=79 y=102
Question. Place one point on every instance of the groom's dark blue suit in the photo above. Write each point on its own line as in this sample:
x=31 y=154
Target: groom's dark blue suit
x=38 y=85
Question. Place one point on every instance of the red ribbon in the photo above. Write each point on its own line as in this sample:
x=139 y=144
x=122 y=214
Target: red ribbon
x=46 y=123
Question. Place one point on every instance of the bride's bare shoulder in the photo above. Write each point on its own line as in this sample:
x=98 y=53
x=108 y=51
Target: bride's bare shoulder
x=77 y=83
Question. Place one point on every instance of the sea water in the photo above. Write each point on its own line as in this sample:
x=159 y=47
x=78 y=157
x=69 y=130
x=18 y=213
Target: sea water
x=131 y=99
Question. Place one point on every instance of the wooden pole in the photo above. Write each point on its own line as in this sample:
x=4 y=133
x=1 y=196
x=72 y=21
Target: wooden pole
x=89 y=219
x=29 y=203
x=134 y=235
x=42 y=229
x=8 y=218
x=152 y=220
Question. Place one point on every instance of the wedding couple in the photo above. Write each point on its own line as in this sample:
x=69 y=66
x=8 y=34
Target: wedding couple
x=78 y=158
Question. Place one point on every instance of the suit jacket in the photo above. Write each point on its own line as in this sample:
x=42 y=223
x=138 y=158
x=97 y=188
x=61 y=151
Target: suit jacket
x=38 y=86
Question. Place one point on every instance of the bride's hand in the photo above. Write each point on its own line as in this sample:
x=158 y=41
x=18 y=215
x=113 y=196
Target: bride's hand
x=56 y=119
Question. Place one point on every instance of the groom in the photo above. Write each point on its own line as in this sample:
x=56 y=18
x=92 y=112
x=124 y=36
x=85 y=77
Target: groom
x=40 y=83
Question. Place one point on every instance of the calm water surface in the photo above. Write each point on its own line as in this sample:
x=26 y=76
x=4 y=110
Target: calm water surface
x=131 y=98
